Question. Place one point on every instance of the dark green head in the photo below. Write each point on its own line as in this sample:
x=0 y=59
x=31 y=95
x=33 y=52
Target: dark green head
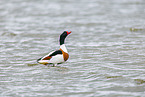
x=63 y=36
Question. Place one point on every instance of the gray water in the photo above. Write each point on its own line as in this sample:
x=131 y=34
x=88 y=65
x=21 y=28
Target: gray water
x=106 y=47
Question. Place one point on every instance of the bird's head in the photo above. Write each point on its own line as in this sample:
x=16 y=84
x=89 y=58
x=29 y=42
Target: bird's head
x=63 y=36
x=65 y=33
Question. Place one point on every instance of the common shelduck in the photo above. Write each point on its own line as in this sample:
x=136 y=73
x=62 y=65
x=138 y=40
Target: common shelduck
x=58 y=56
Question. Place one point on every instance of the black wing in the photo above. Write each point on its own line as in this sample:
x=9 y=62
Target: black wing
x=55 y=53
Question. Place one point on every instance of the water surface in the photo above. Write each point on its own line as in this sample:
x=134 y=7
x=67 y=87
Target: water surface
x=106 y=47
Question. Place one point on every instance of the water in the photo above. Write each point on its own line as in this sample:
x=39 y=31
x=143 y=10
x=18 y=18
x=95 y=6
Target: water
x=106 y=47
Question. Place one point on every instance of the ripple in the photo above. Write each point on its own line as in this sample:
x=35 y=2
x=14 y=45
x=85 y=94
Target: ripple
x=106 y=48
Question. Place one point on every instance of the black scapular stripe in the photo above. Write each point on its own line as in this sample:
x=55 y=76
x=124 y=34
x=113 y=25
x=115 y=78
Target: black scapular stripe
x=39 y=60
x=55 y=53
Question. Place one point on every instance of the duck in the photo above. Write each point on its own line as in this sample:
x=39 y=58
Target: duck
x=58 y=56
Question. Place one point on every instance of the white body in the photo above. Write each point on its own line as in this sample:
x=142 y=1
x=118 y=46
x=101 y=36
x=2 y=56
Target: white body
x=63 y=48
x=55 y=59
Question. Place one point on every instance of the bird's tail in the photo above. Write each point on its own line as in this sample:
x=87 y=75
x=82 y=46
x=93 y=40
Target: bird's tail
x=39 y=60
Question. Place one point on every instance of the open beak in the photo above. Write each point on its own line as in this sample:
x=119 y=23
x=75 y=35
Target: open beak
x=68 y=32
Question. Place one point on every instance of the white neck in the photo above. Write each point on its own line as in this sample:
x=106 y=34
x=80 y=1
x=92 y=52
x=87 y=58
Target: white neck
x=63 y=48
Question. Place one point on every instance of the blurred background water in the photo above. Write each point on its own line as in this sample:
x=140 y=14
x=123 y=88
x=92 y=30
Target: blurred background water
x=106 y=47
